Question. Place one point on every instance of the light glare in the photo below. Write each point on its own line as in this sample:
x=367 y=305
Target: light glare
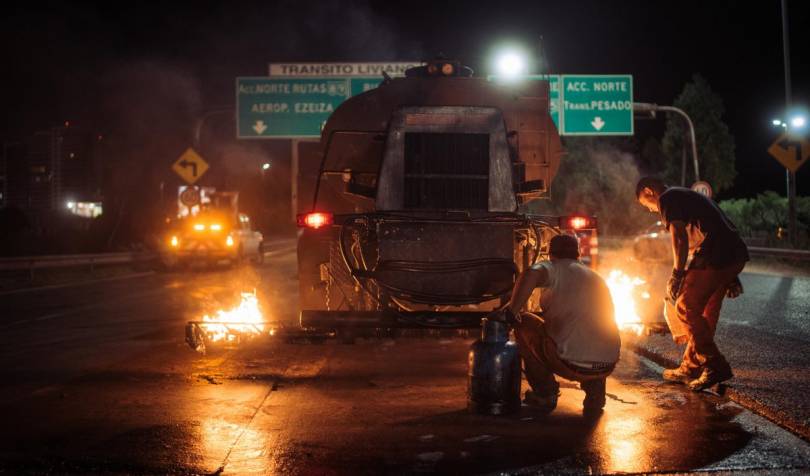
x=511 y=65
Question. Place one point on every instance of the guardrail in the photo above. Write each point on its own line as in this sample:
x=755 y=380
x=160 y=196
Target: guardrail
x=31 y=263
x=779 y=253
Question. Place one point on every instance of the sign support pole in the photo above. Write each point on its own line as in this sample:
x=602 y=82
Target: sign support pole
x=791 y=176
x=294 y=179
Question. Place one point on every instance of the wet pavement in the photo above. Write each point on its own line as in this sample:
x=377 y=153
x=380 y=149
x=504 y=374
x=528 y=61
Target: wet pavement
x=98 y=380
x=765 y=335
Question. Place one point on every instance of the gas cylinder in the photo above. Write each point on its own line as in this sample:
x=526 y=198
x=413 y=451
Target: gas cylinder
x=493 y=374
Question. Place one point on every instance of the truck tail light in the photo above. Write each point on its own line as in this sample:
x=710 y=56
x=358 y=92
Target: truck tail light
x=315 y=220
x=577 y=222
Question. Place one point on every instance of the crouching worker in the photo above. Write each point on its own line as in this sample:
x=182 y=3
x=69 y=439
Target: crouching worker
x=576 y=338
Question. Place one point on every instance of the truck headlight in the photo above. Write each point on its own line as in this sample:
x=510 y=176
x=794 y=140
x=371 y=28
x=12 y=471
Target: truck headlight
x=229 y=241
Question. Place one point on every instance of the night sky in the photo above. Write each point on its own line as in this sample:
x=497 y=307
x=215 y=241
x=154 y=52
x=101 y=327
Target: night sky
x=87 y=61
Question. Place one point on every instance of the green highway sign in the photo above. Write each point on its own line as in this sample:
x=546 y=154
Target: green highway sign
x=298 y=107
x=588 y=104
x=597 y=104
x=361 y=85
x=276 y=108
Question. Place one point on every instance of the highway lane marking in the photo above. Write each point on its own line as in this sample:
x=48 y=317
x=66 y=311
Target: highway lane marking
x=79 y=283
x=280 y=251
x=87 y=307
x=300 y=370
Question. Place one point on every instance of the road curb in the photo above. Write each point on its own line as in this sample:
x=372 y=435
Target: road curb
x=777 y=417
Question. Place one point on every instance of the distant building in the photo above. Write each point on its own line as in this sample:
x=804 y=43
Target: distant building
x=54 y=169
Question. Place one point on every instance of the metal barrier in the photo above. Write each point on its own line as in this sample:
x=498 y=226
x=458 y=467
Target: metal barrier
x=65 y=261
x=31 y=263
x=779 y=253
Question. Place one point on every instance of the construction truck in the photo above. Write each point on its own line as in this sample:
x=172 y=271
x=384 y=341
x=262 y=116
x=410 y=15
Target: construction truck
x=215 y=231
x=420 y=214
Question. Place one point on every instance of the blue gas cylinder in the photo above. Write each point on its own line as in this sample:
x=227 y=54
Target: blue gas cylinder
x=493 y=375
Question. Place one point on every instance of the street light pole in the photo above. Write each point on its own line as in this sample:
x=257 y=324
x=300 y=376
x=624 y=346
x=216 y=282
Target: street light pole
x=649 y=107
x=790 y=176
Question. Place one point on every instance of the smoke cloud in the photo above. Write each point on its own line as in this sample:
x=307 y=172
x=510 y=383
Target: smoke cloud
x=598 y=177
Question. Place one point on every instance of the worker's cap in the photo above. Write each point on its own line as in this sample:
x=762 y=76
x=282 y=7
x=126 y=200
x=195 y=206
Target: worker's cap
x=564 y=246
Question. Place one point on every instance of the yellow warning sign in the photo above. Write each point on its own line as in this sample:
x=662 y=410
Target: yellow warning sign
x=190 y=166
x=790 y=152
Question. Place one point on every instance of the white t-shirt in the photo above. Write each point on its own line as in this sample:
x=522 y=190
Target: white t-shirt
x=578 y=311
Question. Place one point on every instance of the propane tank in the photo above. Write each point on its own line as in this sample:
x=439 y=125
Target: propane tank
x=493 y=375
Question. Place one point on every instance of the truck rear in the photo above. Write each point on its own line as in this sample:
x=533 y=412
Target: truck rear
x=418 y=217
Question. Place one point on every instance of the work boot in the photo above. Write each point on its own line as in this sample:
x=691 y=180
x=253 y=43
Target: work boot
x=712 y=375
x=594 y=400
x=546 y=403
x=681 y=374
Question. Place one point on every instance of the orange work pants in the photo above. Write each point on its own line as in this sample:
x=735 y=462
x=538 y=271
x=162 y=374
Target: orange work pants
x=698 y=307
x=541 y=360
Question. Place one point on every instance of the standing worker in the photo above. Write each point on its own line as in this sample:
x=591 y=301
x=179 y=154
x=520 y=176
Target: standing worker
x=576 y=337
x=701 y=230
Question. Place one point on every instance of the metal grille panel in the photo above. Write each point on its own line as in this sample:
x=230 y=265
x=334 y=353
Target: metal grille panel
x=446 y=171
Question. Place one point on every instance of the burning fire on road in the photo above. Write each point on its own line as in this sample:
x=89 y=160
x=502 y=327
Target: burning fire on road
x=624 y=290
x=245 y=321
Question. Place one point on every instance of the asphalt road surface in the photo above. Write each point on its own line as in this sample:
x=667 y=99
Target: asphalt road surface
x=765 y=335
x=98 y=379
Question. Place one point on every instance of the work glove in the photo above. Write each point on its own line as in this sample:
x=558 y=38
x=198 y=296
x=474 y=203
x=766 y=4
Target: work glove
x=675 y=283
x=504 y=315
x=735 y=288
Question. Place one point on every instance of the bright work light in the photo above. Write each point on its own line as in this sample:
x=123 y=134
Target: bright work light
x=510 y=64
x=798 y=122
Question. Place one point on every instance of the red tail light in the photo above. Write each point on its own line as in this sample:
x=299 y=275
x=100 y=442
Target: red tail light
x=577 y=222
x=315 y=220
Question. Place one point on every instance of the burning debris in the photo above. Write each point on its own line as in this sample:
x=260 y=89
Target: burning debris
x=228 y=326
x=624 y=290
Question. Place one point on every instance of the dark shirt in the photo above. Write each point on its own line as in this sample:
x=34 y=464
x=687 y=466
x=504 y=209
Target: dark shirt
x=720 y=245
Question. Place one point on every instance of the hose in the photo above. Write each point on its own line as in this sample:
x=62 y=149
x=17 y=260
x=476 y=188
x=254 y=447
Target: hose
x=362 y=275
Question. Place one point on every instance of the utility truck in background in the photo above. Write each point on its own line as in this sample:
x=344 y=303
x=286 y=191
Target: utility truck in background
x=212 y=232
x=420 y=212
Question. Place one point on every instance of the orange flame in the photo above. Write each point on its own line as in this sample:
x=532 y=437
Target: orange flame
x=246 y=318
x=622 y=291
